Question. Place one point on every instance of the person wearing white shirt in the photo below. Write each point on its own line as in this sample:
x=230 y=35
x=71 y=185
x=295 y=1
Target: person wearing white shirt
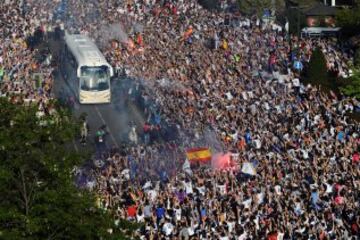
x=257 y=143
x=243 y=235
x=247 y=203
x=201 y=190
x=140 y=217
x=296 y=82
x=278 y=189
x=177 y=213
x=188 y=186
x=168 y=228
x=152 y=194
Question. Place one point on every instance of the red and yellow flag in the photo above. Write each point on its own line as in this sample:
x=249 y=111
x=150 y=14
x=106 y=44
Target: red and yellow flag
x=198 y=154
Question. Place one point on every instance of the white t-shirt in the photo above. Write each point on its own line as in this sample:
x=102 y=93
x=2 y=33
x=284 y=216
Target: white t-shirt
x=231 y=226
x=222 y=189
x=201 y=190
x=188 y=187
x=177 y=214
x=305 y=154
x=278 y=189
x=191 y=231
x=152 y=195
x=257 y=143
x=140 y=218
x=329 y=188
x=243 y=236
x=260 y=197
x=296 y=82
x=247 y=203
x=168 y=228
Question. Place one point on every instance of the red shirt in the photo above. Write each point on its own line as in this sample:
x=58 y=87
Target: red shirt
x=139 y=40
x=174 y=10
x=339 y=200
x=272 y=236
x=131 y=211
x=146 y=128
x=355 y=158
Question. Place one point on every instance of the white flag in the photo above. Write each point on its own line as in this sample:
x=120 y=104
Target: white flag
x=186 y=167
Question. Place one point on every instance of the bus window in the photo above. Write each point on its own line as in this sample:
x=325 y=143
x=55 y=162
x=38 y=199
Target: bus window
x=94 y=78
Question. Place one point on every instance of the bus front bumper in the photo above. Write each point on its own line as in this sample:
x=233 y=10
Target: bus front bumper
x=94 y=97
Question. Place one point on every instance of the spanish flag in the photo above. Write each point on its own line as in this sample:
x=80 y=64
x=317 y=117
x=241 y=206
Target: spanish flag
x=198 y=154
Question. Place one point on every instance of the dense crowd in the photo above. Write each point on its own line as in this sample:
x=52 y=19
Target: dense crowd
x=235 y=80
x=25 y=71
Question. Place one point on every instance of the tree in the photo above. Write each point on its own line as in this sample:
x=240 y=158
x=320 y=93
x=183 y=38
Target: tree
x=297 y=20
x=352 y=89
x=257 y=6
x=357 y=58
x=317 y=71
x=210 y=4
x=38 y=198
x=349 y=20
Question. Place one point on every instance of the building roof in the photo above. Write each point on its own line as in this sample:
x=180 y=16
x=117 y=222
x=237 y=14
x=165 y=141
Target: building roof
x=321 y=10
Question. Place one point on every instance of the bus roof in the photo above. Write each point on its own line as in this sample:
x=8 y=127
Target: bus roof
x=85 y=51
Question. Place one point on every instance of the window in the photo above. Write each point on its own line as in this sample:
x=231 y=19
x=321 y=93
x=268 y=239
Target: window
x=95 y=78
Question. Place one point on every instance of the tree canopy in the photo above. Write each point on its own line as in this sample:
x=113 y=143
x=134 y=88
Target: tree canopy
x=353 y=88
x=349 y=19
x=317 y=72
x=38 y=197
x=257 y=6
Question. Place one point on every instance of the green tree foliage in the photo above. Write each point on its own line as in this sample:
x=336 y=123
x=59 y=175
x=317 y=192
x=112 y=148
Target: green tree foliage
x=316 y=73
x=357 y=58
x=38 y=199
x=257 y=6
x=297 y=20
x=349 y=20
x=353 y=88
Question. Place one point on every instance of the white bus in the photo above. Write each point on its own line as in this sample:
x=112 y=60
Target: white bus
x=86 y=70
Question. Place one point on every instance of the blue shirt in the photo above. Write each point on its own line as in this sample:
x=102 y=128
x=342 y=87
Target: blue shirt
x=160 y=212
x=247 y=137
x=314 y=197
x=157 y=119
x=340 y=136
x=203 y=212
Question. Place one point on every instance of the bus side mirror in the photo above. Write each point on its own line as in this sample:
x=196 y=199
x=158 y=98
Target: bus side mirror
x=111 y=72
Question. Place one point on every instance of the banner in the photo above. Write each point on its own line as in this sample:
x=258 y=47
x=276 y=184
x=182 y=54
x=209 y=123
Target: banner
x=198 y=154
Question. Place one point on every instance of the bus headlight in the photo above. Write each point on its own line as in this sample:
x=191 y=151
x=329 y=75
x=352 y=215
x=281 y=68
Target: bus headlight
x=83 y=97
x=107 y=97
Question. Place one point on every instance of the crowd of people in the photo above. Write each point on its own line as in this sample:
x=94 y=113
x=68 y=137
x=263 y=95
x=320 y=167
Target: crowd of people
x=234 y=79
x=25 y=71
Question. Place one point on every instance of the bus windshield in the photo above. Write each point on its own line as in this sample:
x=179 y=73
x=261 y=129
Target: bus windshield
x=94 y=78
